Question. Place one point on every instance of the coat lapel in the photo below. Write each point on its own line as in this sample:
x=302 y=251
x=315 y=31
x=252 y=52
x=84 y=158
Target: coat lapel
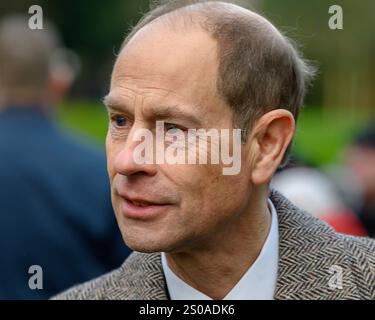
x=143 y=278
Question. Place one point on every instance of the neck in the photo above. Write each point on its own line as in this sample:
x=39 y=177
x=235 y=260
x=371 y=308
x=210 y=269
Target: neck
x=24 y=97
x=215 y=267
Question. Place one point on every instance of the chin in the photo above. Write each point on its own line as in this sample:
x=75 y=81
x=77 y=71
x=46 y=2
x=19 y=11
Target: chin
x=144 y=244
x=151 y=242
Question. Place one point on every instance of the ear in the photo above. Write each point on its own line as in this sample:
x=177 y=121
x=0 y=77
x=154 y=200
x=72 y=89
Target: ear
x=271 y=135
x=59 y=83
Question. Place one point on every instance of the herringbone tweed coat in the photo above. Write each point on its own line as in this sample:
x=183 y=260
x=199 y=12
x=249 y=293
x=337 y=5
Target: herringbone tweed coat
x=309 y=253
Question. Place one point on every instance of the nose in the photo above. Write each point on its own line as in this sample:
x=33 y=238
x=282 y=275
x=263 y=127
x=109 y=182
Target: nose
x=136 y=156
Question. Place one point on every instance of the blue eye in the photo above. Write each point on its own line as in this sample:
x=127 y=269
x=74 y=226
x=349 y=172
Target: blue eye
x=120 y=121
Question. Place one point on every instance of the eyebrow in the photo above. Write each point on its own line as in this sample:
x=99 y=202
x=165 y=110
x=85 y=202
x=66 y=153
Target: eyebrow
x=174 y=112
x=160 y=113
x=112 y=103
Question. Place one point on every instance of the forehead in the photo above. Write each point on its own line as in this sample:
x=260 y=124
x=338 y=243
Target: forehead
x=182 y=61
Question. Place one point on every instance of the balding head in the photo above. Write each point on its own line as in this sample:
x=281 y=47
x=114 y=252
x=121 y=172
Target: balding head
x=259 y=69
x=25 y=58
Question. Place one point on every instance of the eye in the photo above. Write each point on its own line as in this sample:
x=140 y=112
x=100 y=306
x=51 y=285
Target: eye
x=120 y=121
x=172 y=128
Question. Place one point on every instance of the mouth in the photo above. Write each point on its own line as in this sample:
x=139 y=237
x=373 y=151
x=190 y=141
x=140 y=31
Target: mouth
x=139 y=203
x=140 y=209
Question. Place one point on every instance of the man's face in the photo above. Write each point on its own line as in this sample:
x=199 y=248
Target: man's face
x=170 y=76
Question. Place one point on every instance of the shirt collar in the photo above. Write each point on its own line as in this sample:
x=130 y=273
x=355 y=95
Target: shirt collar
x=258 y=283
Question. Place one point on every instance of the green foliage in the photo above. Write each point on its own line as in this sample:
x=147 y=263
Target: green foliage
x=322 y=135
x=87 y=118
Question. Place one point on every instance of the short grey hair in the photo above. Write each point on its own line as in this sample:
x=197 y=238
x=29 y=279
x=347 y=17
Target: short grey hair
x=25 y=53
x=260 y=69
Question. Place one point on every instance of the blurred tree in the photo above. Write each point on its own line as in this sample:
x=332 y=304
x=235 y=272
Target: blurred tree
x=345 y=57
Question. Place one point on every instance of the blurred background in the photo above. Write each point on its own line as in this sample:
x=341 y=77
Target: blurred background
x=332 y=170
x=340 y=102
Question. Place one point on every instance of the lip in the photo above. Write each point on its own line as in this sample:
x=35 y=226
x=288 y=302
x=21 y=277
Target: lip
x=148 y=212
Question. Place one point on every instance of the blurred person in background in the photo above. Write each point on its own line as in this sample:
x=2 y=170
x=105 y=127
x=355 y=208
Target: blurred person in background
x=360 y=160
x=55 y=209
x=314 y=191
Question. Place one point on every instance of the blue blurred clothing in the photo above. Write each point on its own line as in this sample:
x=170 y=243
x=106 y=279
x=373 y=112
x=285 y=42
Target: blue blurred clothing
x=55 y=208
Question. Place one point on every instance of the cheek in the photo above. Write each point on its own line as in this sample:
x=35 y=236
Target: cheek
x=227 y=192
x=111 y=154
x=203 y=188
x=221 y=200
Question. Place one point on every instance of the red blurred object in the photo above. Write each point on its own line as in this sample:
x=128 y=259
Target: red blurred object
x=345 y=222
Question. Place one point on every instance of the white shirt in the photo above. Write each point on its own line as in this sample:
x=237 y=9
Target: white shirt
x=258 y=283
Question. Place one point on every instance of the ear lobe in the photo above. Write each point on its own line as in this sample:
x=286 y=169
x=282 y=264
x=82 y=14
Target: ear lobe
x=273 y=134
